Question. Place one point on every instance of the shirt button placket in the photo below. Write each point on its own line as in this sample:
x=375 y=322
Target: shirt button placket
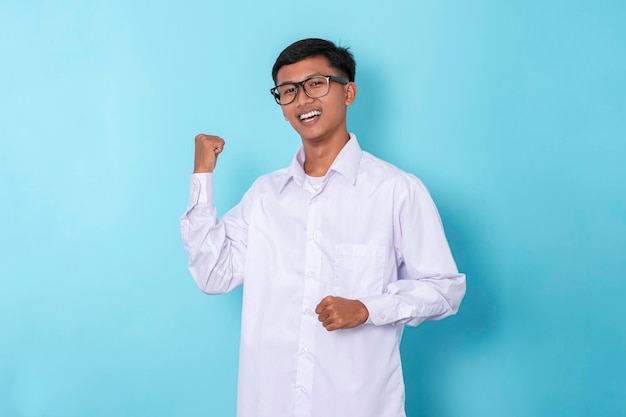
x=309 y=323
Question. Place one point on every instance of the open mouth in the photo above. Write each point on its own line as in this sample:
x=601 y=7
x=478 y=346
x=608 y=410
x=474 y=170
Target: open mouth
x=307 y=117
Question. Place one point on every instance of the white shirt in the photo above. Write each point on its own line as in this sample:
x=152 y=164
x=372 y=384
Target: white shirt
x=370 y=232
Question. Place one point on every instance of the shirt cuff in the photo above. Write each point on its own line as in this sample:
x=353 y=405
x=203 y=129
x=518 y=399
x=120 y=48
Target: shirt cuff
x=381 y=309
x=201 y=189
x=387 y=309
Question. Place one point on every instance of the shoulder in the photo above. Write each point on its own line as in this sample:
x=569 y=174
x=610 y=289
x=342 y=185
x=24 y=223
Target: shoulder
x=385 y=173
x=270 y=181
x=405 y=192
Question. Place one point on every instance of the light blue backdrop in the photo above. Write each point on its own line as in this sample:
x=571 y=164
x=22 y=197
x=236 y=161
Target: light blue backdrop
x=513 y=113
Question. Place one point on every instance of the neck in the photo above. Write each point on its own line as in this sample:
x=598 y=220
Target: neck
x=320 y=156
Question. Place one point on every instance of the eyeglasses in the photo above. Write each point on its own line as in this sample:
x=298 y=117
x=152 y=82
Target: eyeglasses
x=315 y=87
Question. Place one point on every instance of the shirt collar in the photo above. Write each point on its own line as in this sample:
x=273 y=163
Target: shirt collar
x=346 y=163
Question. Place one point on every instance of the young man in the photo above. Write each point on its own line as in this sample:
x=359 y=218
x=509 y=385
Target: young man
x=336 y=253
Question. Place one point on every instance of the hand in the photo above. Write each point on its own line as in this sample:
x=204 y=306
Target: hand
x=208 y=147
x=340 y=313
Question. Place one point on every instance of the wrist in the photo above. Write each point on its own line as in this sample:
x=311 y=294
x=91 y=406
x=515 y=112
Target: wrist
x=202 y=169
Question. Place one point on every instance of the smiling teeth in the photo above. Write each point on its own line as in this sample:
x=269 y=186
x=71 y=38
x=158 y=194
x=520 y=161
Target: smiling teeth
x=310 y=114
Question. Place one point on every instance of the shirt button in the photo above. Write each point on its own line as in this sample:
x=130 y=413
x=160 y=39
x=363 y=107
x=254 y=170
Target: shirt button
x=312 y=236
x=302 y=389
x=305 y=350
x=383 y=316
x=308 y=311
x=310 y=274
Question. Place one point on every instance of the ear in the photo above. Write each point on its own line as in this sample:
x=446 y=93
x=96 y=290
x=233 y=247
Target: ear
x=350 y=91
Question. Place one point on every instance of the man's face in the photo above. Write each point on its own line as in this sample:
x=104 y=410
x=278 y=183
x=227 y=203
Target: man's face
x=316 y=119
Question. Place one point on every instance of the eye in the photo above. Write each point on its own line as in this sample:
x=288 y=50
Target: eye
x=287 y=89
x=316 y=84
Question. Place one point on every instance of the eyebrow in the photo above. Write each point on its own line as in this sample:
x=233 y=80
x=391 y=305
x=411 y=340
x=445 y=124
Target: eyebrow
x=305 y=78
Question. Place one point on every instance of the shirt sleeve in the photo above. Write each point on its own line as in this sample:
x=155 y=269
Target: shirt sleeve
x=429 y=286
x=215 y=247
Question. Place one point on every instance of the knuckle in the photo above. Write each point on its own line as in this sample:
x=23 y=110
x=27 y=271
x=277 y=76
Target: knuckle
x=201 y=137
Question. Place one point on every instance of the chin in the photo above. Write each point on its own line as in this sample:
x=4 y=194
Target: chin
x=307 y=133
x=311 y=136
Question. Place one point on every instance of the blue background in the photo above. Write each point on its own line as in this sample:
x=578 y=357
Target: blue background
x=513 y=114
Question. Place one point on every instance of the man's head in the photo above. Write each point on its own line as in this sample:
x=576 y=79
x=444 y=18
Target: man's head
x=314 y=86
x=338 y=58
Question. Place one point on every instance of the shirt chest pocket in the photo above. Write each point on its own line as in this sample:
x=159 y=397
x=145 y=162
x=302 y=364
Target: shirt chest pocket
x=358 y=270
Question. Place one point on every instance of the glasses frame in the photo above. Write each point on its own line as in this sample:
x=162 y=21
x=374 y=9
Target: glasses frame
x=329 y=78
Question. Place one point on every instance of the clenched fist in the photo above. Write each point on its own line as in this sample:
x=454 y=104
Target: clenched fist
x=340 y=313
x=208 y=147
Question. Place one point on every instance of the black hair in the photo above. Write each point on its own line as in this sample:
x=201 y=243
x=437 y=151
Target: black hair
x=338 y=57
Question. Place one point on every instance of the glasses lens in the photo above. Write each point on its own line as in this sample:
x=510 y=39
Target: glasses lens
x=286 y=93
x=316 y=87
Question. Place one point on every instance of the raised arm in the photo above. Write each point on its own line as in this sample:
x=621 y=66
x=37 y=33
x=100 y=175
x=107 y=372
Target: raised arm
x=215 y=247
